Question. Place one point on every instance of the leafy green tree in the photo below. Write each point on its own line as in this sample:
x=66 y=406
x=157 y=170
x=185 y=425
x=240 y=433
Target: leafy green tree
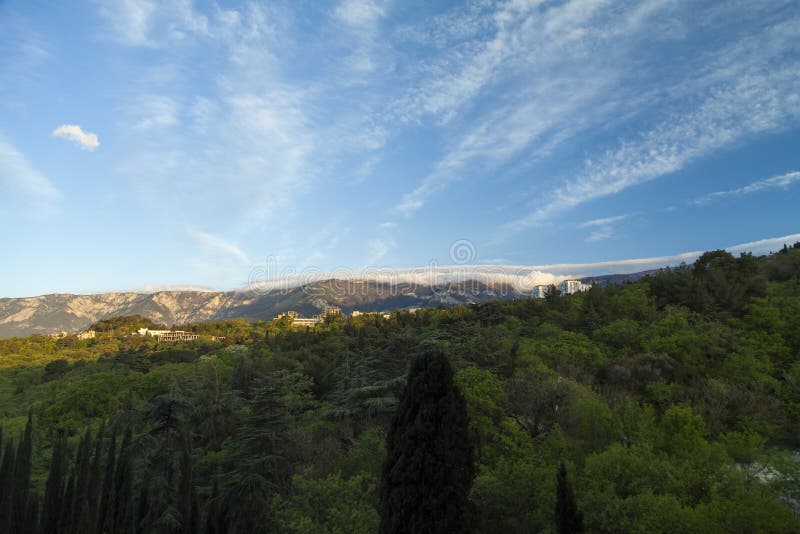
x=328 y=505
x=429 y=467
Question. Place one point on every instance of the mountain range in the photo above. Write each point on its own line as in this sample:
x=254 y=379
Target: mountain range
x=70 y=313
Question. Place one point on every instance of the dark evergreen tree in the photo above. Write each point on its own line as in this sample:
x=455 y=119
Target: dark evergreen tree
x=54 y=488
x=215 y=519
x=260 y=462
x=79 y=504
x=568 y=518
x=7 y=488
x=66 y=505
x=186 y=489
x=142 y=506
x=31 y=525
x=107 y=494
x=88 y=520
x=123 y=486
x=22 y=474
x=429 y=464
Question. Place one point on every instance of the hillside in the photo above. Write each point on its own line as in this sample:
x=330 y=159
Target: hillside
x=672 y=403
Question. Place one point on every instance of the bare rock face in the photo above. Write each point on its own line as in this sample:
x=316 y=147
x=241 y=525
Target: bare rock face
x=72 y=313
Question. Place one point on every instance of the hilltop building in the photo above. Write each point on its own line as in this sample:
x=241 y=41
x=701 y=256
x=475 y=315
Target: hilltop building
x=89 y=334
x=168 y=335
x=566 y=287
x=540 y=292
x=299 y=322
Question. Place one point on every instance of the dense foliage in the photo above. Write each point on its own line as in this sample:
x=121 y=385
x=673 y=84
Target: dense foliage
x=673 y=403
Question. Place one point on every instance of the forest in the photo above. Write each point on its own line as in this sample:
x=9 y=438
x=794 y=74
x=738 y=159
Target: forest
x=670 y=404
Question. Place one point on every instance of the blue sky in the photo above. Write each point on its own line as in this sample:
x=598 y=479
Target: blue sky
x=149 y=144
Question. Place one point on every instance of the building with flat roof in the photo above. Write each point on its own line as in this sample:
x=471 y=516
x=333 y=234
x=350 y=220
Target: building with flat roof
x=568 y=287
x=168 y=335
x=540 y=292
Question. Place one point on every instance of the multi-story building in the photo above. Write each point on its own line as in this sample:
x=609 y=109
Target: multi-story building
x=330 y=311
x=299 y=322
x=568 y=287
x=540 y=292
x=168 y=335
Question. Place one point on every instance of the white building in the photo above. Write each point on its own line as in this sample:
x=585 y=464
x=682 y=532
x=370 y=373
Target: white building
x=540 y=292
x=168 y=335
x=89 y=334
x=568 y=287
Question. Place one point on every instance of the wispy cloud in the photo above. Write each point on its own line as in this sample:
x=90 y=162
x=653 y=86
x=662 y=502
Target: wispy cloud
x=540 y=58
x=378 y=248
x=246 y=149
x=23 y=183
x=605 y=221
x=603 y=228
x=361 y=13
x=783 y=181
x=215 y=245
x=74 y=133
x=152 y=112
x=743 y=99
x=151 y=24
x=559 y=70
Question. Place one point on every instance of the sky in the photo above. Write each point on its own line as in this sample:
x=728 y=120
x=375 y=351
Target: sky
x=173 y=143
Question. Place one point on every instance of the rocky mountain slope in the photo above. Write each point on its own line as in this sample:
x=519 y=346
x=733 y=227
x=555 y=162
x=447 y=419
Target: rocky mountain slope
x=71 y=313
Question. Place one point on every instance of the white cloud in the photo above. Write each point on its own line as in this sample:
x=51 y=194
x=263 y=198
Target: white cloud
x=600 y=235
x=603 y=227
x=130 y=20
x=22 y=182
x=606 y=221
x=378 y=248
x=74 y=133
x=154 y=112
x=783 y=181
x=152 y=24
x=754 y=101
x=558 y=70
x=364 y=13
x=214 y=245
x=522 y=277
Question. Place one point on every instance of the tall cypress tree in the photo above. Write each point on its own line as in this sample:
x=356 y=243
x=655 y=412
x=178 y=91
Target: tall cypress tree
x=107 y=494
x=66 y=505
x=31 y=525
x=186 y=488
x=78 y=505
x=215 y=519
x=54 y=488
x=568 y=518
x=89 y=520
x=429 y=464
x=7 y=488
x=123 y=487
x=22 y=474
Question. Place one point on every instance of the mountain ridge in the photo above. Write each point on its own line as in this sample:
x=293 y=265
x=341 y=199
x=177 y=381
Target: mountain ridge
x=45 y=314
